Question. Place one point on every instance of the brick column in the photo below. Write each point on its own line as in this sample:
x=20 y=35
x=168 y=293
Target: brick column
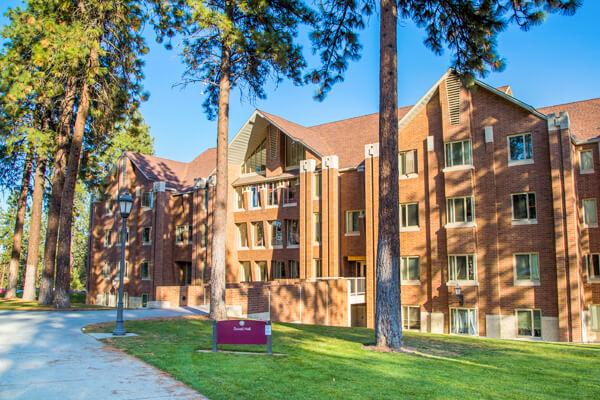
x=159 y=233
x=330 y=216
x=569 y=283
x=198 y=222
x=307 y=176
x=371 y=220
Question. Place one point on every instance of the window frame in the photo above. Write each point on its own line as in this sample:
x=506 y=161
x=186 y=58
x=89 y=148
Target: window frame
x=149 y=275
x=240 y=245
x=451 y=212
x=531 y=281
x=581 y=169
x=108 y=235
x=296 y=150
x=402 y=165
x=106 y=271
x=594 y=326
x=470 y=312
x=288 y=222
x=464 y=164
x=317 y=228
x=528 y=220
x=272 y=192
x=245 y=274
x=143 y=202
x=523 y=161
x=592 y=278
x=451 y=273
x=259 y=271
x=120 y=238
x=255 y=194
x=278 y=269
x=149 y=241
x=239 y=197
x=349 y=223
x=405 y=259
x=289 y=186
x=531 y=311
x=403 y=210
x=584 y=213
x=255 y=226
x=271 y=234
x=406 y=327
x=296 y=264
x=317 y=185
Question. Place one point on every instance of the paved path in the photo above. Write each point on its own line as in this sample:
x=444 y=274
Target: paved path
x=44 y=355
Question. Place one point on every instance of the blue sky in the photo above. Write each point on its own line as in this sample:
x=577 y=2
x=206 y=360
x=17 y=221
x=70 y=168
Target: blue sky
x=557 y=62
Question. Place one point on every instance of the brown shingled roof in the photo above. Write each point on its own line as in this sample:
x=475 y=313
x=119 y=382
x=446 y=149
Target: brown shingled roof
x=583 y=115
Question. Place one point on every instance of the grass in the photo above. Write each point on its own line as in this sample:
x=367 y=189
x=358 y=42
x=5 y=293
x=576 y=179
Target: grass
x=330 y=362
x=77 y=304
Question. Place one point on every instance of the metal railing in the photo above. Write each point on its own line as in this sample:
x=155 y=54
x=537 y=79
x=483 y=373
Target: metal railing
x=357 y=286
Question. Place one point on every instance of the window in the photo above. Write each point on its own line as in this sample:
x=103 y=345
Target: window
x=523 y=207
x=462 y=268
x=147 y=200
x=107 y=238
x=317 y=186
x=272 y=194
x=255 y=196
x=461 y=210
x=294 y=269
x=261 y=271
x=145 y=270
x=592 y=262
x=411 y=318
x=145 y=299
x=590 y=217
x=292 y=231
x=586 y=161
x=203 y=238
x=317 y=227
x=259 y=234
x=463 y=321
x=120 y=237
x=125 y=271
x=289 y=192
x=106 y=271
x=352 y=222
x=527 y=267
x=529 y=323
x=187 y=274
x=245 y=271
x=257 y=160
x=204 y=272
x=183 y=233
x=239 y=198
x=458 y=153
x=407 y=163
x=409 y=215
x=242 y=236
x=520 y=149
x=278 y=269
x=317 y=268
x=409 y=269
x=146 y=235
x=294 y=152
x=595 y=317
x=276 y=234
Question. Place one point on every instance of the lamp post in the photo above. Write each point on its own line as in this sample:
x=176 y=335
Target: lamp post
x=458 y=293
x=125 y=204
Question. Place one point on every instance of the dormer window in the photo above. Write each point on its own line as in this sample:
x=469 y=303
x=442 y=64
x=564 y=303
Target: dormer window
x=294 y=152
x=257 y=161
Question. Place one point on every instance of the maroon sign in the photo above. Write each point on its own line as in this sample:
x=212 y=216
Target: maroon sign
x=242 y=332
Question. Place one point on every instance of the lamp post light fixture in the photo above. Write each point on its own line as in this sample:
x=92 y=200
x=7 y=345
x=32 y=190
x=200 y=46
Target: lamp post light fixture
x=458 y=293
x=125 y=204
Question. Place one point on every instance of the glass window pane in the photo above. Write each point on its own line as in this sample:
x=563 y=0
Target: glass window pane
x=589 y=211
x=355 y=222
x=467 y=150
x=450 y=208
x=535 y=268
x=596 y=265
x=459 y=210
x=452 y=268
x=402 y=163
x=587 y=161
x=449 y=155
x=473 y=322
x=413 y=268
x=524 y=323
x=463 y=322
x=532 y=211
x=457 y=153
x=528 y=146
x=517 y=152
x=414 y=317
x=519 y=206
x=523 y=272
x=404 y=317
x=413 y=214
x=403 y=268
x=537 y=323
x=461 y=268
x=469 y=209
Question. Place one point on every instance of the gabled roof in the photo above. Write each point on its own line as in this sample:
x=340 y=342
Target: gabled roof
x=177 y=175
x=584 y=117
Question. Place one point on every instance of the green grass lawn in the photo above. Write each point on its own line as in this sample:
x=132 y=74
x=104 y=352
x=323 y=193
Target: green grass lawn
x=77 y=304
x=331 y=363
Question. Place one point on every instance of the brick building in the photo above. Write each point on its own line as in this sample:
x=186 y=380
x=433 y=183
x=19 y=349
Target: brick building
x=497 y=200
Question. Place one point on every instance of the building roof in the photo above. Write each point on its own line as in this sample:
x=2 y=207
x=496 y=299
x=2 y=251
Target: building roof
x=177 y=175
x=584 y=117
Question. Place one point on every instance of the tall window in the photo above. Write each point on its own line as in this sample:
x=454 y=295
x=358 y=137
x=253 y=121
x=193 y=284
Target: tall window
x=245 y=271
x=147 y=201
x=107 y=238
x=239 y=198
x=590 y=217
x=352 y=222
x=592 y=262
x=527 y=267
x=294 y=152
x=411 y=318
x=463 y=321
x=289 y=192
x=317 y=227
x=106 y=271
x=146 y=235
x=278 y=269
x=462 y=267
x=120 y=236
x=409 y=269
x=276 y=234
x=520 y=149
x=261 y=271
x=259 y=234
x=409 y=215
x=586 y=161
x=523 y=207
x=317 y=186
x=183 y=234
x=529 y=323
x=292 y=232
x=294 y=269
x=272 y=194
x=255 y=196
x=317 y=268
x=125 y=271
x=145 y=270
x=145 y=299
x=458 y=153
x=187 y=274
x=407 y=162
x=242 y=236
x=460 y=210
x=257 y=160
x=595 y=317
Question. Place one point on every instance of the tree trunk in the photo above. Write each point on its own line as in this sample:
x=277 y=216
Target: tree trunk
x=218 y=307
x=388 y=328
x=15 y=258
x=34 y=231
x=63 y=257
x=60 y=165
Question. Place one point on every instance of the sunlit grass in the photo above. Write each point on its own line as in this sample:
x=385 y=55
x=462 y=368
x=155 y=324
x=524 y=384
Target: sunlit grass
x=329 y=362
x=77 y=303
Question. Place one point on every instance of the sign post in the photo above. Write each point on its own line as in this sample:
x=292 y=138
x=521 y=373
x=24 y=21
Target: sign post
x=242 y=332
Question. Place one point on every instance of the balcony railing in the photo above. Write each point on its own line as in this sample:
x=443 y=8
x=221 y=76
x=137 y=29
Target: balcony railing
x=357 y=286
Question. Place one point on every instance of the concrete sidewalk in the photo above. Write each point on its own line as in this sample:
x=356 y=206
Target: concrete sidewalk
x=44 y=355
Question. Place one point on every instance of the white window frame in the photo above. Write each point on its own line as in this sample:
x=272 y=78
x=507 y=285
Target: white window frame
x=258 y=191
x=588 y=260
x=255 y=225
x=147 y=278
x=259 y=271
x=460 y=224
x=245 y=273
x=408 y=320
x=523 y=161
x=145 y=207
x=584 y=213
x=581 y=169
x=275 y=246
x=403 y=210
x=464 y=165
x=287 y=187
x=406 y=259
x=120 y=231
x=526 y=282
x=462 y=282
x=272 y=187
x=347 y=231
x=239 y=196
x=287 y=233
x=530 y=310
x=146 y=243
x=523 y=221
x=239 y=236
x=594 y=311
x=402 y=174
x=470 y=312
